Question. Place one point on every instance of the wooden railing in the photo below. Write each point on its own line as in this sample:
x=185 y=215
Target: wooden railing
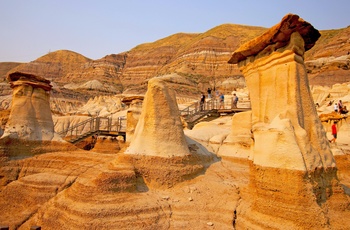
x=109 y=127
x=196 y=111
x=191 y=112
x=94 y=125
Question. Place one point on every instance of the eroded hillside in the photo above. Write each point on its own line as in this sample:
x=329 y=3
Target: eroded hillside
x=200 y=57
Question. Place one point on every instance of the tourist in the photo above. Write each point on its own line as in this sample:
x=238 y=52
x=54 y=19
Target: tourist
x=340 y=106
x=217 y=93
x=334 y=132
x=234 y=101
x=222 y=101
x=344 y=110
x=336 y=108
x=202 y=101
x=209 y=93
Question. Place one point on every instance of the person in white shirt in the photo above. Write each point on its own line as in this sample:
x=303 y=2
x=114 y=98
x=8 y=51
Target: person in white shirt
x=336 y=108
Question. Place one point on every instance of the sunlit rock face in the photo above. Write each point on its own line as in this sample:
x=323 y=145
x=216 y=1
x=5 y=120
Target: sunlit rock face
x=282 y=105
x=30 y=117
x=239 y=142
x=159 y=130
x=133 y=116
x=293 y=172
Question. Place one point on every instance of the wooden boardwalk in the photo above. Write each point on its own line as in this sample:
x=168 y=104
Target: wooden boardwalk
x=95 y=126
x=107 y=127
x=197 y=111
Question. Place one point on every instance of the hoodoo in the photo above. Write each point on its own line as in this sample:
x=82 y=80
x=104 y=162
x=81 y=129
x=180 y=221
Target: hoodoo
x=30 y=117
x=293 y=172
x=159 y=120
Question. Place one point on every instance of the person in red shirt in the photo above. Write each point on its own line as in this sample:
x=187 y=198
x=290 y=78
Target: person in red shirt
x=334 y=132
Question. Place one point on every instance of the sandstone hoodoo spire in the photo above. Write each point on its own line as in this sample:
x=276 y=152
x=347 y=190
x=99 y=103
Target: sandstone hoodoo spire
x=30 y=117
x=273 y=66
x=293 y=170
x=159 y=131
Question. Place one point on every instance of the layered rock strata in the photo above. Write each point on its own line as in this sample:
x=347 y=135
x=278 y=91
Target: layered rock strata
x=293 y=172
x=201 y=57
x=53 y=65
x=84 y=190
x=97 y=77
x=30 y=117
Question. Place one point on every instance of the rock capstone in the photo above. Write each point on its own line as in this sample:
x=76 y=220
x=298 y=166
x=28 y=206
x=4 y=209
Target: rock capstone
x=30 y=117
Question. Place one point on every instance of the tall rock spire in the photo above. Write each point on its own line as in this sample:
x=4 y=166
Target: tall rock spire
x=282 y=105
x=293 y=172
x=159 y=131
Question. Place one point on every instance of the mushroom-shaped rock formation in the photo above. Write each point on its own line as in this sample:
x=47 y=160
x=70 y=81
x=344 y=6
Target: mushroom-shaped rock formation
x=159 y=131
x=281 y=101
x=30 y=117
x=293 y=172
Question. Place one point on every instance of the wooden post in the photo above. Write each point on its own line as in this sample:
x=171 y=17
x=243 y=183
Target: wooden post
x=92 y=124
x=97 y=127
x=119 y=124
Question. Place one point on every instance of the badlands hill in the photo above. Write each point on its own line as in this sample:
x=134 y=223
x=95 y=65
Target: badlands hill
x=328 y=61
x=54 y=65
x=6 y=67
x=200 y=57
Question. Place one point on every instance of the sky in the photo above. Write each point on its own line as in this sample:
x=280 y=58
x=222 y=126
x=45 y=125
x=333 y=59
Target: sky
x=30 y=29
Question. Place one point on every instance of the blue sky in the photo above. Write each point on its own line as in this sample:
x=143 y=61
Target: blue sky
x=32 y=28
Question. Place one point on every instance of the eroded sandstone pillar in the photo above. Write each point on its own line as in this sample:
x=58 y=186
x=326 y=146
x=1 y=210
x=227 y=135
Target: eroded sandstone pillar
x=273 y=66
x=159 y=131
x=30 y=117
x=293 y=172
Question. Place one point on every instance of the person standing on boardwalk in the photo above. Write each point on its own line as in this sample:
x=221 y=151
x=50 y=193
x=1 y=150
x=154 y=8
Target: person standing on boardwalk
x=222 y=101
x=234 y=101
x=334 y=132
x=336 y=107
x=202 y=102
x=209 y=93
x=340 y=106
